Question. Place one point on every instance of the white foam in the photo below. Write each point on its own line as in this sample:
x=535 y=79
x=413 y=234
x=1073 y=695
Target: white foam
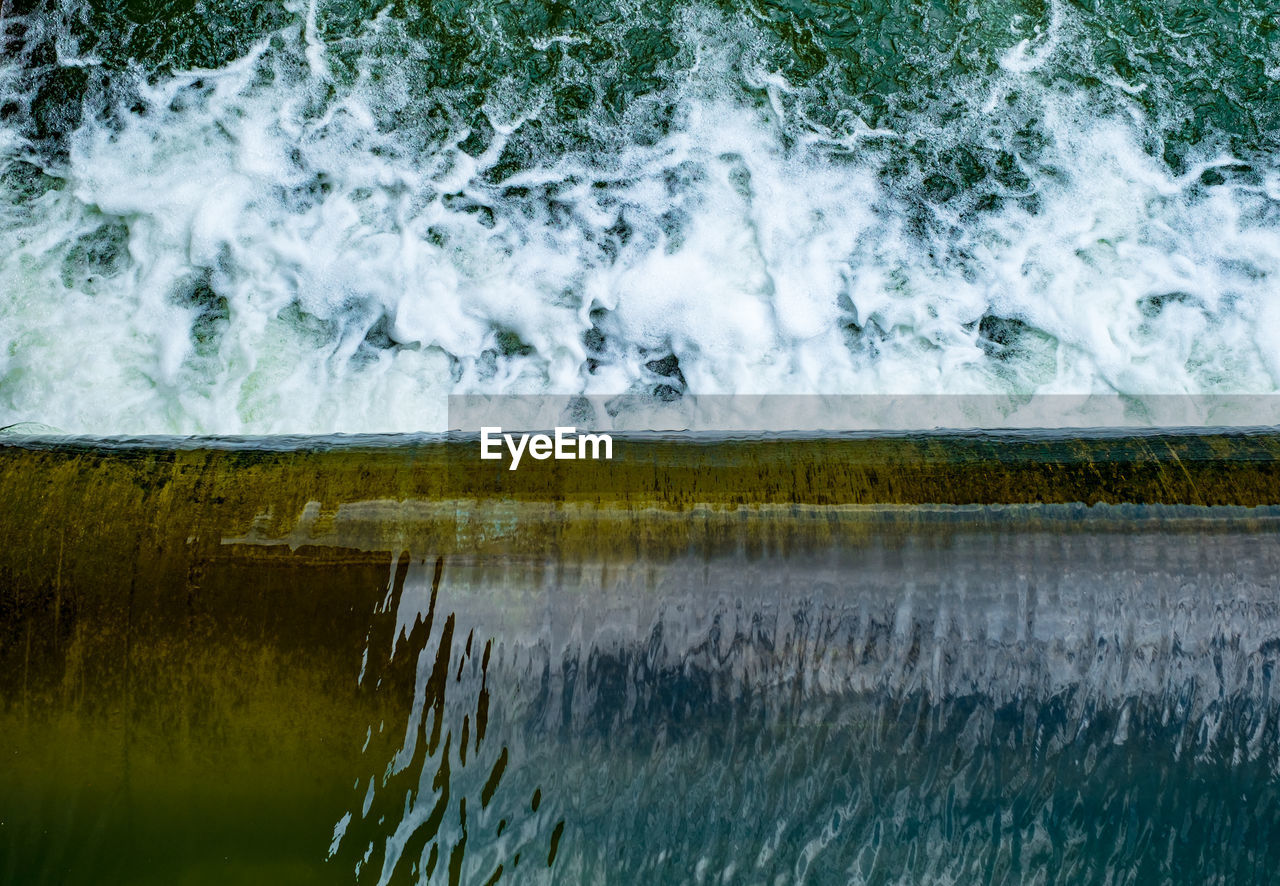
x=315 y=227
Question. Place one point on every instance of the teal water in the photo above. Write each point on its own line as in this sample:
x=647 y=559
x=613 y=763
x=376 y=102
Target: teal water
x=1000 y=707
x=254 y=217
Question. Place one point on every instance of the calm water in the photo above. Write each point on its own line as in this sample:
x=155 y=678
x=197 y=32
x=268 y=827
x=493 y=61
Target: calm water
x=286 y=666
x=988 y=707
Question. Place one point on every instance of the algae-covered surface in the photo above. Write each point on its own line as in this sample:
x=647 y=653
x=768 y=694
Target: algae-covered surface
x=1015 y=658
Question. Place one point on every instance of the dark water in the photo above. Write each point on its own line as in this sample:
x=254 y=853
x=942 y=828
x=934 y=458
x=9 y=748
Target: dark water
x=1204 y=76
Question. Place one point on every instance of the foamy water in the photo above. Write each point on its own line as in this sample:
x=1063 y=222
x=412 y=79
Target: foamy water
x=298 y=239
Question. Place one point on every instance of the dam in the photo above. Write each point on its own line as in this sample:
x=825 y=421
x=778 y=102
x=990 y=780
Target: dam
x=1002 y=657
x=272 y=272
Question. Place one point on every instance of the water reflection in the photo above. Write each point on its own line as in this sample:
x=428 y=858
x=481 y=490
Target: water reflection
x=445 y=778
x=992 y=708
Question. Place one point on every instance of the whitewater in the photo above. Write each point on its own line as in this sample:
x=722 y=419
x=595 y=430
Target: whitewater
x=330 y=217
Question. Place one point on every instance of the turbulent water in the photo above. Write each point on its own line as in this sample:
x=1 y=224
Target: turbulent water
x=258 y=217
x=1100 y=710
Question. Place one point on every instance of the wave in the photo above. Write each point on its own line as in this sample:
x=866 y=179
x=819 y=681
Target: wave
x=309 y=218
